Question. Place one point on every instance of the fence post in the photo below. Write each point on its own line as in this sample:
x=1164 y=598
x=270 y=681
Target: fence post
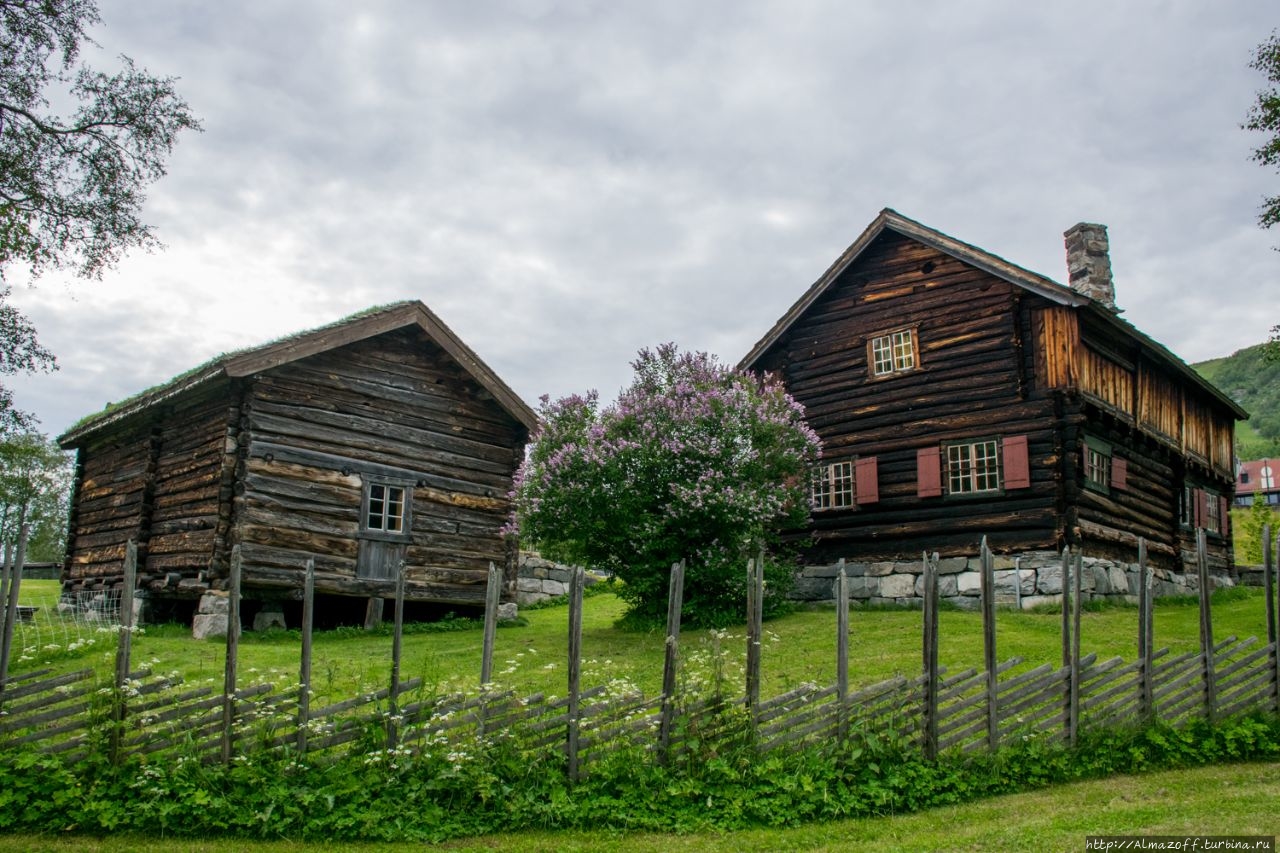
x=675 y=601
x=1206 y=627
x=124 y=648
x=6 y=574
x=989 y=644
x=492 y=597
x=1273 y=630
x=1146 y=647
x=1077 y=588
x=842 y=654
x=755 y=628
x=397 y=641
x=930 y=656
x=304 y=667
x=577 y=580
x=233 y=652
x=11 y=605
x=1068 y=730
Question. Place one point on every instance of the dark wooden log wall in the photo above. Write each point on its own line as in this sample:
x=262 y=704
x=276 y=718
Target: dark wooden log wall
x=185 y=509
x=149 y=480
x=110 y=508
x=1108 y=524
x=974 y=381
x=1170 y=432
x=392 y=406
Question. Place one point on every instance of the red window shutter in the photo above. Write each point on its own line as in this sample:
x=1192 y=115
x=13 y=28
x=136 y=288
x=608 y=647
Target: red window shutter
x=1119 y=472
x=1224 y=510
x=1017 y=469
x=867 y=480
x=929 y=472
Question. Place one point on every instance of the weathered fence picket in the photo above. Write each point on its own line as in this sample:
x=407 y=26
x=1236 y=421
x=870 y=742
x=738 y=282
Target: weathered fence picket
x=968 y=710
x=233 y=653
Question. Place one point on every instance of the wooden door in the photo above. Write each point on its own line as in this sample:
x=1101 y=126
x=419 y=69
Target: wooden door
x=378 y=559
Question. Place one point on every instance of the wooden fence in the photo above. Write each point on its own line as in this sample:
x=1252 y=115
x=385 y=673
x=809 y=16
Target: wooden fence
x=145 y=714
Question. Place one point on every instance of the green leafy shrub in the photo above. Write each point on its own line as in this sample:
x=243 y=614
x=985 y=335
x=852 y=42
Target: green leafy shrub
x=694 y=461
x=491 y=785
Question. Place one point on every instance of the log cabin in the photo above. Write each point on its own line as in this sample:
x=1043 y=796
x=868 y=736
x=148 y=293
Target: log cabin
x=958 y=395
x=379 y=438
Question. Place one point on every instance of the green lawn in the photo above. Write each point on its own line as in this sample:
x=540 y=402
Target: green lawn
x=530 y=657
x=1239 y=799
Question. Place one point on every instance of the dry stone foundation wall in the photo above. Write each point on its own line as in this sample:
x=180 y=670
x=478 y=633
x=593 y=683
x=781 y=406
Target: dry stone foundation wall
x=538 y=579
x=1021 y=581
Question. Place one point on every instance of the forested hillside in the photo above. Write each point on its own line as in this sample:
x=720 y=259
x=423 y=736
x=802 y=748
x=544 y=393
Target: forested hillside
x=1253 y=382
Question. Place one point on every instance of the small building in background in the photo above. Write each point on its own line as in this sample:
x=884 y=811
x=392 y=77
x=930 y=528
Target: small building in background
x=1259 y=477
x=377 y=439
x=959 y=395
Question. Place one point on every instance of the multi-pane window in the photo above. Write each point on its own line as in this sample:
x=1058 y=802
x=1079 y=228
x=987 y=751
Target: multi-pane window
x=973 y=467
x=1213 y=513
x=894 y=352
x=832 y=486
x=1097 y=464
x=1187 y=513
x=386 y=508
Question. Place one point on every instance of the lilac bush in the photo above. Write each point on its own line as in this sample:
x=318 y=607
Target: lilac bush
x=694 y=461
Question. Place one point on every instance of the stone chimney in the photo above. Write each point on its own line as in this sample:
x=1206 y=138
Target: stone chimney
x=1089 y=264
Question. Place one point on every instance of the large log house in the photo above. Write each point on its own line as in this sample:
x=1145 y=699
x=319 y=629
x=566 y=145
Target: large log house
x=958 y=395
x=379 y=438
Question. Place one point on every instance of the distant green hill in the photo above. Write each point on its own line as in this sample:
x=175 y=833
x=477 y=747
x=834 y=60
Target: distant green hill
x=1254 y=383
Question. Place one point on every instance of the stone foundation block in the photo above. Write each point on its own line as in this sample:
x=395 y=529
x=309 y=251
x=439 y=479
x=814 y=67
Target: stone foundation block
x=266 y=620
x=206 y=625
x=898 y=586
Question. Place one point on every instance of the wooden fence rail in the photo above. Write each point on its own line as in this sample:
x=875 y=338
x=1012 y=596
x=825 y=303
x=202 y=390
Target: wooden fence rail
x=138 y=713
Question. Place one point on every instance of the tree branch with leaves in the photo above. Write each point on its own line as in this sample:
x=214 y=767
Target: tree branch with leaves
x=72 y=186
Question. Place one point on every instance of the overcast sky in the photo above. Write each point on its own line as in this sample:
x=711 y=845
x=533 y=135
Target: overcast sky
x=564 y=183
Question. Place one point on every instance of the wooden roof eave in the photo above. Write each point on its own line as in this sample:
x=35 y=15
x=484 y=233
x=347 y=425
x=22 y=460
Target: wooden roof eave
x=995 y=265
x=411 y=314
x=76 y=436
x=891 y=220
x=1163 y=354
x=269 y=356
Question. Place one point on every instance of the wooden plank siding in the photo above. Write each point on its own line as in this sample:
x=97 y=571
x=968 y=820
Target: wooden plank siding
x=972 y=382
x=393 y=406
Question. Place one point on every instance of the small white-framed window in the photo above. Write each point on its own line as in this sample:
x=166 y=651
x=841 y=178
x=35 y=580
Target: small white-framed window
x=1187 y=507
x=892 y=352
x=1097 y=464
x=973 y=467
x=832 y=486
x=1212 y=513
x=386 y=508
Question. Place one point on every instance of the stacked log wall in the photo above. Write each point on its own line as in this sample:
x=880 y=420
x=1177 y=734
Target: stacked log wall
x=110 y=509
x=185 y=508
x=395 y=406
x=1110 y=520
x=974 y=381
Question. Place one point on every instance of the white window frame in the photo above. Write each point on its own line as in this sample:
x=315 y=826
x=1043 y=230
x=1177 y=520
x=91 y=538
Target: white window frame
x=1097 y=465
x=893 y=352
x=1212 y=512
x=833 y=486
x=386 y=508
x=973 y=467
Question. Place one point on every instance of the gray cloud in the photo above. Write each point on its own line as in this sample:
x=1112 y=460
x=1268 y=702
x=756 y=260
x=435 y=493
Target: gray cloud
x=567 y=182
